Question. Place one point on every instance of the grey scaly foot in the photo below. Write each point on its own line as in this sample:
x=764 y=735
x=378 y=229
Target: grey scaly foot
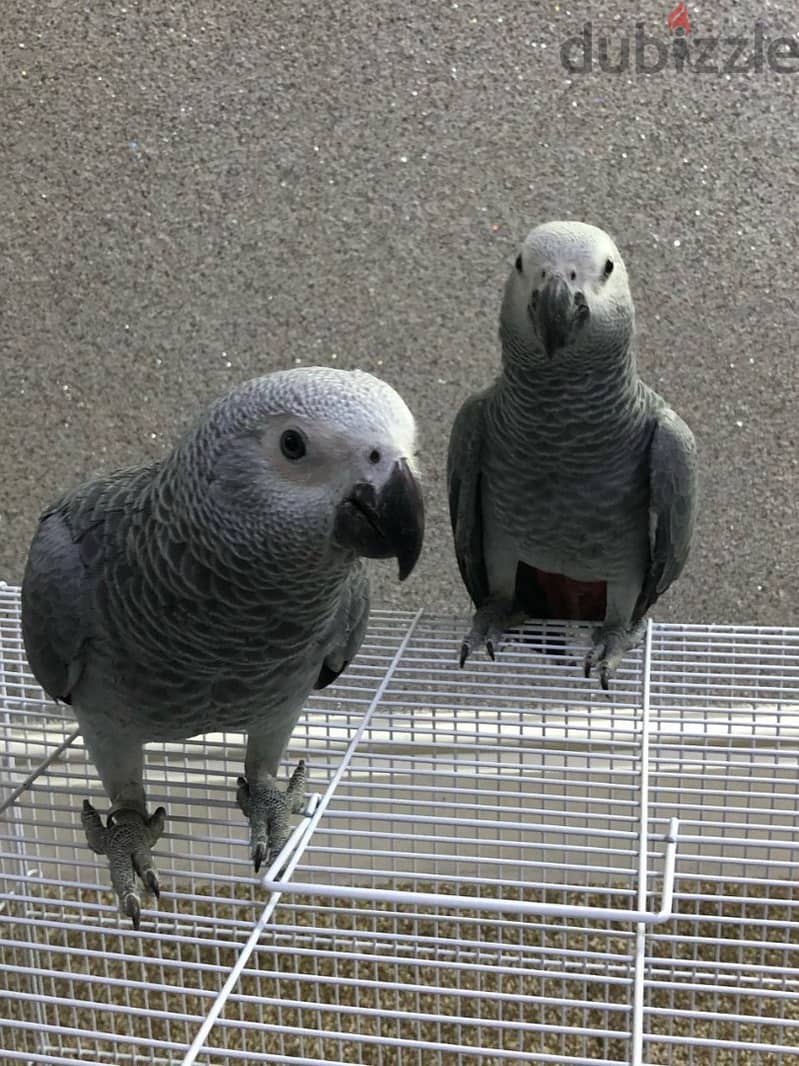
x=488 y=626
x=611 y=642
x=268 y=809
x=126 y=839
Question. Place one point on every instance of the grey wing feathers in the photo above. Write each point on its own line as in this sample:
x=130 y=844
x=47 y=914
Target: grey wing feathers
x=672 y=506
x=464 y=489
x=53 y=623
x=351 y=623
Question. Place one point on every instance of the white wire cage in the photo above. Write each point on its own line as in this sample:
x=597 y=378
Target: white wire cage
x=496 y=864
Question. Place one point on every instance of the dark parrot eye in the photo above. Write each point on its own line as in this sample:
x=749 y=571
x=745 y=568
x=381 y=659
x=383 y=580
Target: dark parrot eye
x=292 y=444
x=608 y=268
x=519 y=262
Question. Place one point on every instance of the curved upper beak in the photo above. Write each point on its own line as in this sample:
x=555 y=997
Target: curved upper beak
x=556 y=309
x=385 y=522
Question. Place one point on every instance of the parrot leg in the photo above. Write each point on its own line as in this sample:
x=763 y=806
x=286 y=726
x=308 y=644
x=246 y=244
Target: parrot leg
x=259 y=796
x=126 y=839
x=129 y=832
x=268 y=809
x=611 y=642
x=488 y=626
x=500 y=611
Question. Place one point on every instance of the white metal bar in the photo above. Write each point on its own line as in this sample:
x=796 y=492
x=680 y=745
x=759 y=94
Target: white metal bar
x=636 y=1044
x=745 y=1046
x=473 y=823
x=429 y=1046
x=441 y=901
x=114 y=1038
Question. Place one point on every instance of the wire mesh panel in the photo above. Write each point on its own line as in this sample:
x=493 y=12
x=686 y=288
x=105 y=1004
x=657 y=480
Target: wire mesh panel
x=481 y=876
x=459 y=805
x=725 y=750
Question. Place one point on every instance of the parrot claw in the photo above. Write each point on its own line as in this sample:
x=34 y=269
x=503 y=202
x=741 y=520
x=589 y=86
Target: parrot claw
x=268 y=810
x=488 y=628
x=258 y=856
x=610 y=645
x=126 y=839
x=151 y=881
x=132 y=908
x=491 y=646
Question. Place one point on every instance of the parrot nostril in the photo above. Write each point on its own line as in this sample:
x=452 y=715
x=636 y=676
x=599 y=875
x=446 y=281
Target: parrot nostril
x=579 y=298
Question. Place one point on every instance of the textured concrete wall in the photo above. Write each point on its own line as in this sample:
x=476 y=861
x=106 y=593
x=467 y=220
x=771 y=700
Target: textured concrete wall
x=195 y=193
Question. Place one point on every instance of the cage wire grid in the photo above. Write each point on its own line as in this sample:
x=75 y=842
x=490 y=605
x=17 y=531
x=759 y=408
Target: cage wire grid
x=495 y=864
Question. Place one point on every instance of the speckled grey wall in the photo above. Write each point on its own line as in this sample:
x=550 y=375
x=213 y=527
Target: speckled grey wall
x=194 y=193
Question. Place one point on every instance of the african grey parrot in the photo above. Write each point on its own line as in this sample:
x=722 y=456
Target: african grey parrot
x=217 y=588
x=572 y=485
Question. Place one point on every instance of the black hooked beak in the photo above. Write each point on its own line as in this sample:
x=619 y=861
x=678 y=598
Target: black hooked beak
x=390 y=522
x=557 y=310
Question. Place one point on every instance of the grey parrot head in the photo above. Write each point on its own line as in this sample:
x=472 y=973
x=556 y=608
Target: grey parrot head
x=567 y=295
x=309 y=465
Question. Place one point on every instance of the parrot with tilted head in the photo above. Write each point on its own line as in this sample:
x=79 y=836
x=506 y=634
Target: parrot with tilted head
x=572 y=484
x=217 y=588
